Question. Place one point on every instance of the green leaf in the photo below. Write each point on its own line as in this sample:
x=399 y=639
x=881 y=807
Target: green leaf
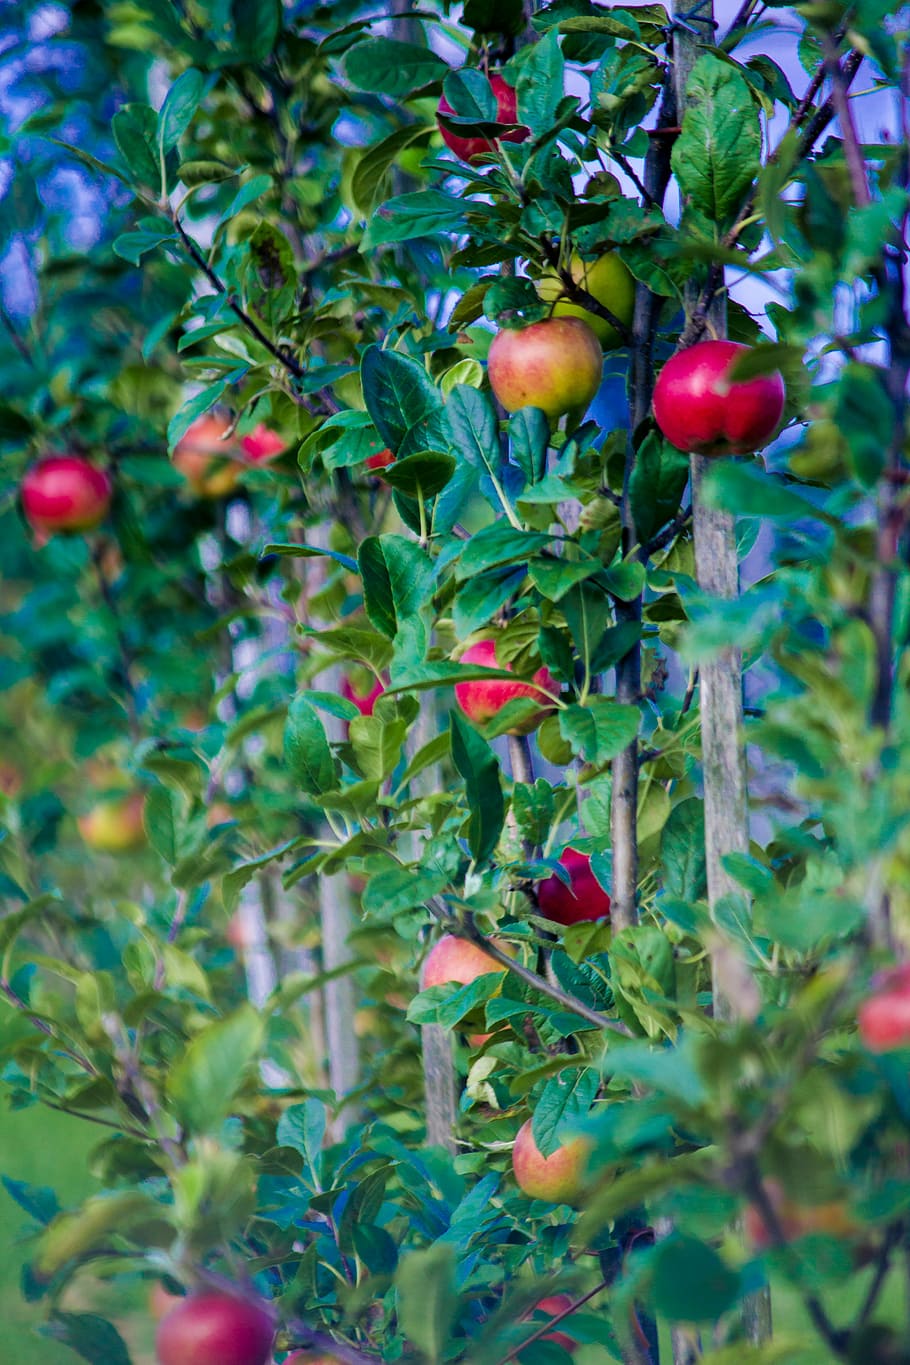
x=600 y=730
x=479 y=767
x=398 y=393
x=302 y=1127
x=306 y=749
x=161 y=818
x=475 y=430
x=377 y=745
x=494 y=16
x=378 y=161
x=88 y=160
x=529 y=437
x=481 y=597
x=248 y=192
x=471 y=96
x=614 y=645
x=556 y=577
x=398 y=578
x=135 y=128
x=427 y=1296
x=690 y=1281
x=668 y=1070
x=540 y=84
x=717 y=155
x=91 y=1337
x=682 y=851
x=421 y=475
x=257 y=24
x=204 y=1081
x=588 y=613
x=747 y=491
x=194 y=407
x=497 y=545
x=386 y=67
x=566 y=1099
x=179 y=108
x=420 y=213
x=132 y=246
x=534 y=808
x=659 y=477
x=865 y=418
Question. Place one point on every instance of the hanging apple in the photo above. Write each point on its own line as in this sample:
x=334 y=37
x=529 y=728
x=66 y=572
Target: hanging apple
x=555 y=365
x=701 y=410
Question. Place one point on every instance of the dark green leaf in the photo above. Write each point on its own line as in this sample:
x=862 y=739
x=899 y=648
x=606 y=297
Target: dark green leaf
x=386 y=67
x=691 y=1283
x=179 y=107
x=529 y=437
x=398 y=393
x=427 y=1296
x=257 y=24
x=421 y=475
x=565 y=1100
x=716 y=156
x=135 y=128
x=203 y=1082
x=162 y=819
x=479 y=767
x=91 y=1337
x=306 y=749
x=682 y=849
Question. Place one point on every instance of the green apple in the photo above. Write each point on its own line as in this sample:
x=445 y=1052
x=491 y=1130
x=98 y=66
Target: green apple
x=608 y=280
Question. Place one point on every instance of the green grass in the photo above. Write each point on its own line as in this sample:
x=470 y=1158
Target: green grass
x=43 y=1148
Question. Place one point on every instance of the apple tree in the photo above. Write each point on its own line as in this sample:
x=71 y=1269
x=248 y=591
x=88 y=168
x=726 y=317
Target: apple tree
x=454 y=677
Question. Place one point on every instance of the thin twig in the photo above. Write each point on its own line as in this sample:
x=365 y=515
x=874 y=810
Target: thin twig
x=14 y=336
x=853 y=154
x=467 y=929
x=554 y=1321
x=44 y=1027
x=577 y=293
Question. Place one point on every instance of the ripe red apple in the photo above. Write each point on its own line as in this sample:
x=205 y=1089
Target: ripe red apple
x=262 y=444
x=456 y=960
x=380 y=460
x=216 y=1329
x=363 y=697
x=472 y=148
x=699 y=409
x=65 y=493
x=559 y=1177
x=556 y=1303
x=584 y=900
x=884 y=1018
x=556 y=365
x=481 y=700
x=115 y=825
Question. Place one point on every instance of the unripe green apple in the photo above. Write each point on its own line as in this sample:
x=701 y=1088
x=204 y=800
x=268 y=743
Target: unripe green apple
x=555 y=365
x=115 y=825
x=559 y=1177
x=608 y=280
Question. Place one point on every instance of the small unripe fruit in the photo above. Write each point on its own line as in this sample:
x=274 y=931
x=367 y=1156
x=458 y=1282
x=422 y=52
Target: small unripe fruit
x=555 y=365
x=481 y=700
x=559 y=1177
x=473 y=148
x=215 y=1329
x=65 y=493
x=585 y=899
x=701 y=410
x=608 y=280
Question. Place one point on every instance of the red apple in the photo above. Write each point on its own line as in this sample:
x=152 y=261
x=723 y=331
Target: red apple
x=699 y=409
x=115 y=825
x=456 y=960
x=161 y=1300
x=209 y=458
x=363 y=697
x=473 y=148
x=884 y=1018
x=559 y=1177
x=216 y=1329
x=585 y=899
x=830 y=1219
x=555 y=365
x=381 y=460
x=65 y=493
x=556 y=1303
x=262 y=444
x=481 y=700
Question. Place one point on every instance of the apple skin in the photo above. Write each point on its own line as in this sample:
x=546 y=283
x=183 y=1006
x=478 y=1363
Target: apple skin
x=471 y=149
x=558 y=1178
x=455 y=960
x=610 y=282
x=262 y=444
x=161 y=1301
x=208 y=458
x=831 y=1219
x=556 y=365
x=481 y=700
x=555 y=1303
x=584 y=900
x=115 y=825
x=65 y=493
x=381 y=460
x=215 y=1329
x=364 y=701
x=700 y=411
x=884 y=1018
